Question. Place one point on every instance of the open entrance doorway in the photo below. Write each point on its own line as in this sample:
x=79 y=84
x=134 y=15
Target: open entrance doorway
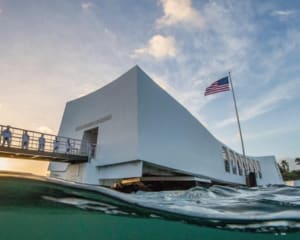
x=251 y=179
x=89 y=141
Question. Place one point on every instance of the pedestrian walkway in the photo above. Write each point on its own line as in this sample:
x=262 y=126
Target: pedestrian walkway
x=26 y=144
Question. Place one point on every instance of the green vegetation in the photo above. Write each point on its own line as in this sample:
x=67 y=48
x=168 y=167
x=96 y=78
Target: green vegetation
x=285 y=170
x=284 y=166
x=293 y=175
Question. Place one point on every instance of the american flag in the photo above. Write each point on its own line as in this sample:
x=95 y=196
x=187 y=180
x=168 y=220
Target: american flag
x=218 y=86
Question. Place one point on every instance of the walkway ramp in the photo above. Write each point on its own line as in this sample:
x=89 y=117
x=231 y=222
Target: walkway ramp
x=65 y=149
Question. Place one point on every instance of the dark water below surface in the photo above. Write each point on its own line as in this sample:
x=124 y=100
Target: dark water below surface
x=35 y=208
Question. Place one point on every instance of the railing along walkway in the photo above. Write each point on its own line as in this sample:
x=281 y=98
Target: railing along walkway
x=52 y=148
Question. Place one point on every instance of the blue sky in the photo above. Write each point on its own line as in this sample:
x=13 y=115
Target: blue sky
x=54 y=51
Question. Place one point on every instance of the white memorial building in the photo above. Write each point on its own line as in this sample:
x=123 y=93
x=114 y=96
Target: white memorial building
x=142 y=135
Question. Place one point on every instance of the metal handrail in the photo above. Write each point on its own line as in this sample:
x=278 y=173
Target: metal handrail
x=76 y=147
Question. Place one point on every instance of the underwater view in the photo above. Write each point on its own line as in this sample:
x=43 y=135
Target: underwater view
x=34 y=207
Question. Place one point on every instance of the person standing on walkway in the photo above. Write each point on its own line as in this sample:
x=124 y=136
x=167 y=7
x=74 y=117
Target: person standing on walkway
x=56 y=145
x=42 y=142
x=25 y=140
x=68 y=145
x=6 y=136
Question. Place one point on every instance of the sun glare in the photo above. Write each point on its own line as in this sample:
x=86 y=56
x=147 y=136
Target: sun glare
x=27 y=166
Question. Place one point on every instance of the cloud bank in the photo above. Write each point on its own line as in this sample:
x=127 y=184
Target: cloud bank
x=158 y=47
x=179 y=12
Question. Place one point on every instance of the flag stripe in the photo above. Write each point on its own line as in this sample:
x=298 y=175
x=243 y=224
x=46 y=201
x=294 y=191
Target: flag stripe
x=223 y=87
x=213 y=89
x=217 y=91
x=217 y=88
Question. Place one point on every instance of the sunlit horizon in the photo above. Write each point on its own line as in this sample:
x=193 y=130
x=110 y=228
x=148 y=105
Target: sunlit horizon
x=24 y=166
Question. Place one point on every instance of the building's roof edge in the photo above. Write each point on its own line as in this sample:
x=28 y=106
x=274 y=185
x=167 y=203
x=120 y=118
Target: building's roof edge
x=134 y=68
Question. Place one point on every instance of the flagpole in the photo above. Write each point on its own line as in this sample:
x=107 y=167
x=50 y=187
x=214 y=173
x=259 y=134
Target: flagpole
x=237 y=115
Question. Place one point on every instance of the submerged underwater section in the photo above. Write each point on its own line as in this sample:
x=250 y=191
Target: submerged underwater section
x=40 y=208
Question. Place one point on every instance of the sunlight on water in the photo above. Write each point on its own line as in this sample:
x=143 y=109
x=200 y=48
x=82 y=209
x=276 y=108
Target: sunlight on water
x=63 y=209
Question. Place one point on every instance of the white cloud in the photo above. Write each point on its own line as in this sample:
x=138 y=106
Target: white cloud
x=158 y=47
x=267 y=102
x=284 y=13
x=179 y=11
x=1 y=11
x=86 y=5
x=227 y=46
x=224 y=46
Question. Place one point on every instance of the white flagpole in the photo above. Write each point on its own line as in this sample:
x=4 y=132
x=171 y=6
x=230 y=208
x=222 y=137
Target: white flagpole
x=237 y=116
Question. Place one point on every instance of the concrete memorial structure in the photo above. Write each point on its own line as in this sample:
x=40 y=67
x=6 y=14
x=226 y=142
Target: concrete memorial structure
x=137 y=134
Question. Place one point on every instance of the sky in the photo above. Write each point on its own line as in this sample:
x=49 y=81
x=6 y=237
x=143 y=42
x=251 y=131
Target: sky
x=53 y=51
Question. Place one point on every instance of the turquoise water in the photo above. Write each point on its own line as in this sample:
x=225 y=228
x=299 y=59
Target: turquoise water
x=33 y=208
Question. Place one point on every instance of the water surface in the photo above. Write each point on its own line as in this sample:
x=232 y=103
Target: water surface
x=37 y=208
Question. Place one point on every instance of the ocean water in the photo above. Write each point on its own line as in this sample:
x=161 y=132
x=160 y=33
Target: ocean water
x=38 y=208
